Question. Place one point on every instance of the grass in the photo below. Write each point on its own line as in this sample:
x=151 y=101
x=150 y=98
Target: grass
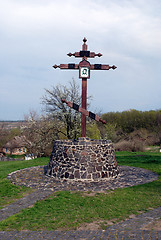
x=67 y=210
x=8 y=191
x=150 y=161
x=152 y=148
x=16 y=156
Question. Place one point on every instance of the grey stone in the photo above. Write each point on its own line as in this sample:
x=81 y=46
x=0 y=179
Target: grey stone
x=88 y=153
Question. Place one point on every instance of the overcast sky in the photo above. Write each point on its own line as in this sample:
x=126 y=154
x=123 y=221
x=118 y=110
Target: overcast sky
x=36 y=34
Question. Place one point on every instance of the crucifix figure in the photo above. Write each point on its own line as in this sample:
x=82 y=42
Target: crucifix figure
x=84 y=73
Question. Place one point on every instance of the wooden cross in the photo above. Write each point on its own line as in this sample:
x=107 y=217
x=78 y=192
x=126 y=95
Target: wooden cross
x=84 y=72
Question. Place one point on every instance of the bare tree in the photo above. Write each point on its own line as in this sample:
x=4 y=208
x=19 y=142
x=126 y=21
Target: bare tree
x=60 y=111
x=41 y=132
x=61 y=122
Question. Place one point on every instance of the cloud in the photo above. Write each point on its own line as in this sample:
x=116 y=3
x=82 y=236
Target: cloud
x=127 y=22
x=37 y=34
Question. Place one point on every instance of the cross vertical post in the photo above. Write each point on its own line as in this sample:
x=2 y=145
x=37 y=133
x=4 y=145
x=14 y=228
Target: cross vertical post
x=84 y=96
x=84 y=105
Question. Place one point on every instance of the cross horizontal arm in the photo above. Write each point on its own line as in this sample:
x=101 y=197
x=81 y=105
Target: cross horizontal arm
x=67 y=66
x=84 y=54
x=102 y=67
x=84 y=111
x=92 y=66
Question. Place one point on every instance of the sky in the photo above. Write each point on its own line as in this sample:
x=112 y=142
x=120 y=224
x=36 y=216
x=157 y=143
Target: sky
x=36 y=34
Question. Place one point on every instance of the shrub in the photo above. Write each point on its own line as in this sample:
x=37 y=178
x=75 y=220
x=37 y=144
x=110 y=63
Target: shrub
x=130 y=146
x=93 y=131
x=149 y=138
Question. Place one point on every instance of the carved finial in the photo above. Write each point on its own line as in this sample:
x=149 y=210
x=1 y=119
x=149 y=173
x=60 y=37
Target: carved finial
x=56 y=66
x=98 y=54
x=70 y=54
x=85 y=40
x=114 y=67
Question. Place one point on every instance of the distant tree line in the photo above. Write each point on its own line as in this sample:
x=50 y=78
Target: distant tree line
x=133 y=129
x=129 y=121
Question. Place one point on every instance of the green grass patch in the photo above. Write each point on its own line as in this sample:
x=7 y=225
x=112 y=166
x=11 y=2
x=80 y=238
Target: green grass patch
x=65 y=210
x=8 y=191
x=16 y=156
x=68 y=210
x=150 y=161
x=11 y=166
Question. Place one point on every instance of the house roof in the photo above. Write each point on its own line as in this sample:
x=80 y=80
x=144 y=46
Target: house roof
x=16 y=142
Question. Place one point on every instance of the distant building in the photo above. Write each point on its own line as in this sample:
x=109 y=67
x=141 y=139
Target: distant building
x=17 y=146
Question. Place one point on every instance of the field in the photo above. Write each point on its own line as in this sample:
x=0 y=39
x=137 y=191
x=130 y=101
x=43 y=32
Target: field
x=12 y=124
x=69 y=210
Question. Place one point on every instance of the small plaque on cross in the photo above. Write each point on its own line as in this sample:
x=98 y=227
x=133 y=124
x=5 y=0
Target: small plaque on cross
x=84 y=72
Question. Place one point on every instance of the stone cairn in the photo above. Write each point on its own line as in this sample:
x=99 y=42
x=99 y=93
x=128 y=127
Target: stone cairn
x=83 y=159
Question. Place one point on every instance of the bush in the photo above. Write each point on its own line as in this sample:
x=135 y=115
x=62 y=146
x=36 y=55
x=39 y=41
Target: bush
x=149 y=138
x=130 y=146
x=93 y=131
